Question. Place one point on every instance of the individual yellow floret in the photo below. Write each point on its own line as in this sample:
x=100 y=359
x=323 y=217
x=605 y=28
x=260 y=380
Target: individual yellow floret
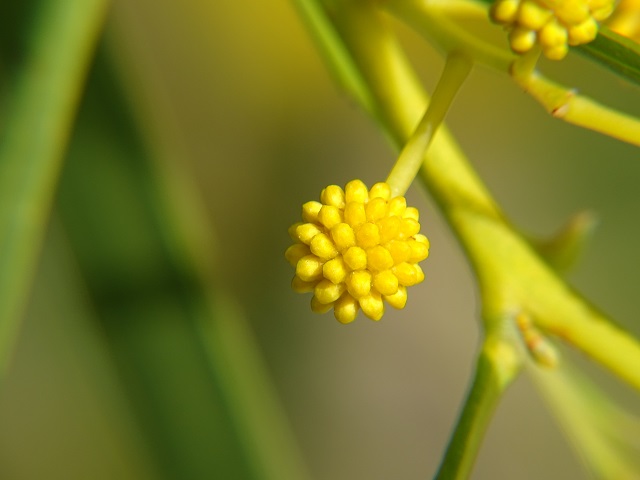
x=357 y=249
x=552 y=24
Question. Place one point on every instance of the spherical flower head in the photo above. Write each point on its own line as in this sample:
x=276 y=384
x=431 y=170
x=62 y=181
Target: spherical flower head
x=552 y=24
x=357 y=249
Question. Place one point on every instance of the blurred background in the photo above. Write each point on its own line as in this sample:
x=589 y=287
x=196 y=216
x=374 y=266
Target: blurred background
x=110 y=378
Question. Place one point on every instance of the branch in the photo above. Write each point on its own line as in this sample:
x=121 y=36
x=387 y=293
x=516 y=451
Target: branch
x=497 y=366
x=511 y=276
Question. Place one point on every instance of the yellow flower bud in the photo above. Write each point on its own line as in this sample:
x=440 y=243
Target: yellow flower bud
x=386 y=282
x=408 y=228
x=583 y=32
x=356 y=258
x=354 y=214
x=319 y=307
x=389 y=228
x=306 y=231
x=295 y=252
x=380 y=190
x=522 y=39
x=504 y=11
x=419 y=251
x=343 y=236
x=310 y=211
x=330 y=216
x=379 y=258
x=372 y=306
x=333 y=195
x=309 y=268
x=533 y=15
x=359 y=283
x=335 y=270
x=400 y=251
x=412 y=213
x=552 y=35
x=328 y=292
x=293 y=231
x=323 y=247
x=406 y=274
x=368 y=235
x=356 y=191
x=376 y=209
x=346 y=308
x=397 y=206
x=301 y=286
x=399 y=299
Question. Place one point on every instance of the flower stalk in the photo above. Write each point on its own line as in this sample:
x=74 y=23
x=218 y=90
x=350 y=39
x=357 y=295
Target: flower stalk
x=456 y=70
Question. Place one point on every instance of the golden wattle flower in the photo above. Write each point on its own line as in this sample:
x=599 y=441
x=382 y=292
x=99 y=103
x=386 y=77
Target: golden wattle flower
x=357 y=249
x=552 y=24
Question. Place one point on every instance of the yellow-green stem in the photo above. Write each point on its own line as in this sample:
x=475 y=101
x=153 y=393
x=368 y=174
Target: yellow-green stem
x=497 y=365
x=410 y=160
x=511 y=275
x=434 y=21
x=565 y=104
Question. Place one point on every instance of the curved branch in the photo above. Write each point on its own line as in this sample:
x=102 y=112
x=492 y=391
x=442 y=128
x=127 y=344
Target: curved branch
x=511 y=276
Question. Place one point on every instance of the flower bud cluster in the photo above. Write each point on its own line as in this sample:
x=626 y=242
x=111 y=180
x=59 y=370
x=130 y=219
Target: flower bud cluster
x=552 y=24
x=356 y=249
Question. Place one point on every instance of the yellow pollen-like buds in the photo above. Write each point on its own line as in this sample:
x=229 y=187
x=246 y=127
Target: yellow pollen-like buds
x=552 y=24
x=356 y=250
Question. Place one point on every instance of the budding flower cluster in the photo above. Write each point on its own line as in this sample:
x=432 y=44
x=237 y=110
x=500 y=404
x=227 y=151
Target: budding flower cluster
x=553 y=24
x=357 y=249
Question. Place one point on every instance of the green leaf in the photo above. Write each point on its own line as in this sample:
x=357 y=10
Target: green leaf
x=617 y=53
x=191 y=369
x=42 y=101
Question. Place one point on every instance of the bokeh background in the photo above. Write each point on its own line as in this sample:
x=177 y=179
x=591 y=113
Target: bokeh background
x=234 y=94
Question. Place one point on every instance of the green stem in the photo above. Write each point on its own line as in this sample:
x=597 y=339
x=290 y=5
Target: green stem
x=332 y=49
x=399 y=103
x=496 y=367
x=408 y=165
x=563 y=103
x=38 y=123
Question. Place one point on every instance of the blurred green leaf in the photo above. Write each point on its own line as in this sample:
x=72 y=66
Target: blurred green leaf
x=602 y=432
x=191 y=370
x=63 y=414
x=42 y=100
x=617 y=53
